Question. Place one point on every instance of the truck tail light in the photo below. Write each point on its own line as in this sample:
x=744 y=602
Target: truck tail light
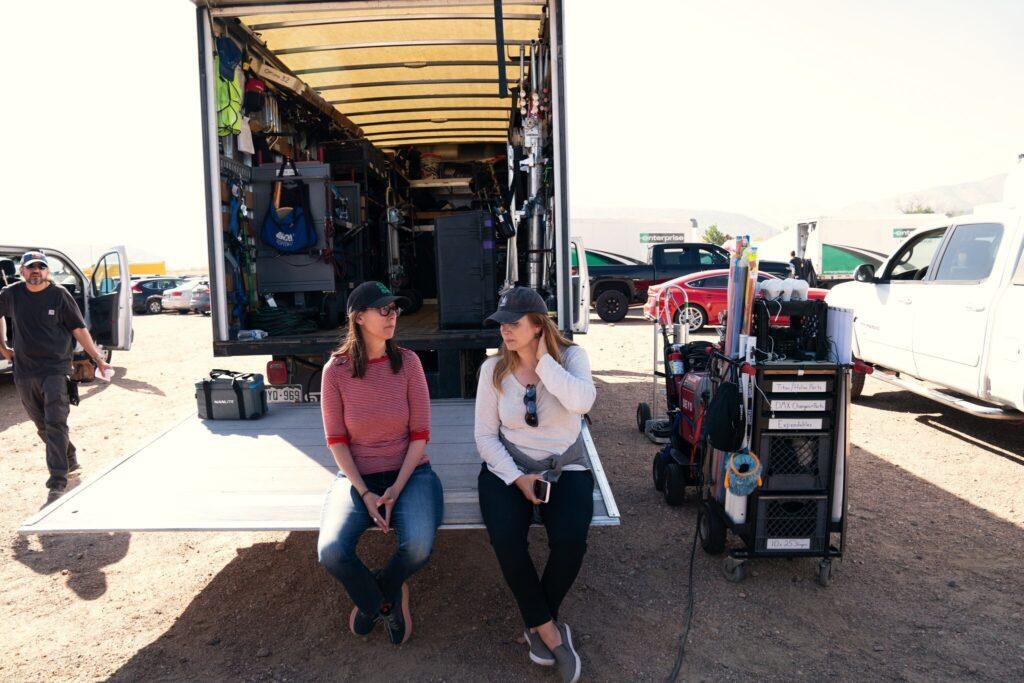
x=277 y=372
x=575 y=270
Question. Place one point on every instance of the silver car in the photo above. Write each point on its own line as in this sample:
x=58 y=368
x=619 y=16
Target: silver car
x=180 y=298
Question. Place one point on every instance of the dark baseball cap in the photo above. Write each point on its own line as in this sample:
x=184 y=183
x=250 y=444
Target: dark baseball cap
x=374 y=294
x=33 y=257
x=517 y=302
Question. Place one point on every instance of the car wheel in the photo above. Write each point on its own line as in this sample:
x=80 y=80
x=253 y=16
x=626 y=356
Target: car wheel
x=612 y=306
x=857 y=385
x=694 y=316
x=154 y=306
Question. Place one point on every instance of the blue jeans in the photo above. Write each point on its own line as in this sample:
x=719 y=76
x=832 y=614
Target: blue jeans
x=415 y=518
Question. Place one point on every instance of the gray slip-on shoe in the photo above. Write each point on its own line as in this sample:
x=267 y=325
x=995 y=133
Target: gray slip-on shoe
x=566 y=657
x=539 y=652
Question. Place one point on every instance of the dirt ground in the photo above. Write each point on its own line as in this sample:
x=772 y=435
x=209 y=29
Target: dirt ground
x=930 y=588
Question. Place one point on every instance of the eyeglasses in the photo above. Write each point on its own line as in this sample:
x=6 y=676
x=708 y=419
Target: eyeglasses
x=36 y=266
x=530 y=399
x=386 y=311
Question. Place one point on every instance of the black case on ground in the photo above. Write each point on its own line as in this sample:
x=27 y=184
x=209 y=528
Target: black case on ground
x=227 y=395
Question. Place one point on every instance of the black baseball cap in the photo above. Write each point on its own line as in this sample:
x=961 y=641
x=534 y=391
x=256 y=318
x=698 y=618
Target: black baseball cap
x=30 y=257
x=517 y=302
x=374 y=294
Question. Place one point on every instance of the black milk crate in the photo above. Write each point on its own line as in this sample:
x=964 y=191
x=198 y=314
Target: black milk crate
x=791 y=524
x=795 y=461
x=803 y=339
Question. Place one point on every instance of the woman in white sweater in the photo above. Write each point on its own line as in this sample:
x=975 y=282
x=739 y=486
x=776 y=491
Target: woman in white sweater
x=529 y=406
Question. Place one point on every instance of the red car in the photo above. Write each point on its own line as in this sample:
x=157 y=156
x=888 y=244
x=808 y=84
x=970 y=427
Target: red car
x=706 y=291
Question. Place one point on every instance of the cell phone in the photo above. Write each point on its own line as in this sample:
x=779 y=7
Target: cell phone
x=542 y=490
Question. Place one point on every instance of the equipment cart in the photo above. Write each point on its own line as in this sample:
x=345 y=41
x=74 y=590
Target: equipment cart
x=798 y=428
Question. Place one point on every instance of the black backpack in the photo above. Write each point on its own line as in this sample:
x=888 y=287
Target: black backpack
x=724 y=420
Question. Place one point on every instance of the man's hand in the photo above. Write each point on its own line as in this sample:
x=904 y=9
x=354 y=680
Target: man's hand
x=525 y=484
x=7 y=352
x=103 y=366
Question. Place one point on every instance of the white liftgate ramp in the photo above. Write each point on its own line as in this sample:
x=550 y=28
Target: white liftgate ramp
x=263 y=475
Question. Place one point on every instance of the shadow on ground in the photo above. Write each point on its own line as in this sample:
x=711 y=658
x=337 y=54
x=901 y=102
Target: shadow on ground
x=81 y=558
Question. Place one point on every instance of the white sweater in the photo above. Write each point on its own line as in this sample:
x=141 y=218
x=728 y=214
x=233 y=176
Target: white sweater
x=565 y=392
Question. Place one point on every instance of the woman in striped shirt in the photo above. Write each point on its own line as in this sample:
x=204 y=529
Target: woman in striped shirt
x=376 y=411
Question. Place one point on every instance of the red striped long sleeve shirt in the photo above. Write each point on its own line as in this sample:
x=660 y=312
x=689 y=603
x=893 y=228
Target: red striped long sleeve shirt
x=377 y=415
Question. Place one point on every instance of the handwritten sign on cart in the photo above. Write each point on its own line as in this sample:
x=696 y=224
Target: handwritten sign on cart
x=798 y=387
x=795 y=423
x=784 y=404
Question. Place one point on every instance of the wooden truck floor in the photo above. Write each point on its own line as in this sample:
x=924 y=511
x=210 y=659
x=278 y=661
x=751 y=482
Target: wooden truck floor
x=267 y=474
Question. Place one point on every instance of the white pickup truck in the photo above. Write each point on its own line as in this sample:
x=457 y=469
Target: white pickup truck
x=944 y=315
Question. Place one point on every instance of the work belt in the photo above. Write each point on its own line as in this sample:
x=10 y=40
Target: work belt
x=551 y=467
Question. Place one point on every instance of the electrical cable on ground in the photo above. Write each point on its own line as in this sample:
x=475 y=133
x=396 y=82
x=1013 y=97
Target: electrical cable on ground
x=689 y=600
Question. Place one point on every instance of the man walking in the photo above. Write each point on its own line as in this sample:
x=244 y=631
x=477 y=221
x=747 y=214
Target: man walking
x=46 y=320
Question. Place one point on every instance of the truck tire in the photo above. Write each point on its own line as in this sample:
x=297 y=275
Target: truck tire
x=857 y=385
x=612 y=305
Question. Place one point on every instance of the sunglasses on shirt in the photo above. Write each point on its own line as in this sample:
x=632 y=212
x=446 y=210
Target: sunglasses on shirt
x=530 y=399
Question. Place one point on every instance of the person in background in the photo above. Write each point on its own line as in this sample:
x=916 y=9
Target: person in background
x=529 y=406
x=796 y=264
x=376 y=413
x=47 y=321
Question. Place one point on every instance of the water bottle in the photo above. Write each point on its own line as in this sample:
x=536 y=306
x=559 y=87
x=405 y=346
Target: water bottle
x=251 y=335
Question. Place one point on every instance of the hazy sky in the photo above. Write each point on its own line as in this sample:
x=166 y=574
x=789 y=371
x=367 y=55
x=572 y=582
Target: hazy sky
x=772 y=109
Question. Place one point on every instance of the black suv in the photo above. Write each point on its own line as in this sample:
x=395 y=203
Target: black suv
x=146 y=292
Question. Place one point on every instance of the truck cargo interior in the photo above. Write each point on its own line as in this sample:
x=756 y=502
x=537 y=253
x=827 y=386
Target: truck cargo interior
x=419 y=144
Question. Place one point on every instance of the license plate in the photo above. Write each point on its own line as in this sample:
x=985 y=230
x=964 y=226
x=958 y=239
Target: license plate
x=788 y=544
x=284 y=393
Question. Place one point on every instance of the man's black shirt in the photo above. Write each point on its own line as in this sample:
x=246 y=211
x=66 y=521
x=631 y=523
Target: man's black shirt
x=43 y=322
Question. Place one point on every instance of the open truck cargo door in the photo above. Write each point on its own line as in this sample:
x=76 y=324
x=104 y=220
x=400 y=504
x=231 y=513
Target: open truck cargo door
x=580 y=276
x=109 y=301
x=269 y=474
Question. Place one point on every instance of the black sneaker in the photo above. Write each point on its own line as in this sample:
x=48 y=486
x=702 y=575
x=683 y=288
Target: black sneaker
x=397 y=620
x=361 y=623
x=74 y=469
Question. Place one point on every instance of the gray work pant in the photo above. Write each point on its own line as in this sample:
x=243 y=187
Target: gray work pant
x=46 y=402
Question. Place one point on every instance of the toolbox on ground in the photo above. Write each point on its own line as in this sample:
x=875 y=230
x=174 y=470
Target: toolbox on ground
x=227 y=395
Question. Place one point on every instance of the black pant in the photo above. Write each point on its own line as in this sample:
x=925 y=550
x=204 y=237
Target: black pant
x=566 y=516
x=46 y=402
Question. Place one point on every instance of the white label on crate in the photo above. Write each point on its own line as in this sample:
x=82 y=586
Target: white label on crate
x=789 y=544
x=794 y=423
x=794 y=405
x=797 y=387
